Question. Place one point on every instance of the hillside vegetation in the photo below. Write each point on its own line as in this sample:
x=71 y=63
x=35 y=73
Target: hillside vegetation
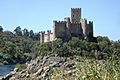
x=18 y=47
x=22 y=45
x=102 y=49
x=75 y=59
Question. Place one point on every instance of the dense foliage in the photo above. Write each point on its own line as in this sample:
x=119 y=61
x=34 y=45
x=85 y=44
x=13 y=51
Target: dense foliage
x=102 y=49
x=17 y=47
x=22 y=45
x=98 y=60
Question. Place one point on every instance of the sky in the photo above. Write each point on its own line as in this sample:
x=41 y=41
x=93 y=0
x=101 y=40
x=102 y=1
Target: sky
x=38 y=15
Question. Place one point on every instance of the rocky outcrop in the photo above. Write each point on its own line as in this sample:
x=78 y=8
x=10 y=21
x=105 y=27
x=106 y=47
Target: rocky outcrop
x=39 y=68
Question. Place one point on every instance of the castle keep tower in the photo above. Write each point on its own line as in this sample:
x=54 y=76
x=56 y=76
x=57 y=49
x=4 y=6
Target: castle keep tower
x=75 y=15
x=68 y=28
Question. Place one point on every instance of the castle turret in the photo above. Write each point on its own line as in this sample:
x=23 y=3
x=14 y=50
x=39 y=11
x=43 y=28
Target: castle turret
x=75 y=15
x=59 y=29
x=42 y=34
x=48 y=35
x=74 y=27
x=67 y=19
x=68 y=27
x=84 y=27
x=90 y=28
x=54 y=28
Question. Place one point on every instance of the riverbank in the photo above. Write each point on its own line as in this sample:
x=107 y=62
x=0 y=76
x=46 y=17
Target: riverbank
x=53 y=67
x=6 y=69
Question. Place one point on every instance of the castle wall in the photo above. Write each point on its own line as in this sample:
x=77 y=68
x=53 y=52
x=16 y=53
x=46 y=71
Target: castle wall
x=51 y=37
x=87 y=28
x=68 y=25
x=76 y=29
x=91 y=29
x=59 y=29
x=84 y=27
x=46 y=38
x=42 y=36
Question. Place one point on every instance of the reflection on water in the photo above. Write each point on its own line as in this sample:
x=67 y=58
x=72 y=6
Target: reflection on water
x=5 y=69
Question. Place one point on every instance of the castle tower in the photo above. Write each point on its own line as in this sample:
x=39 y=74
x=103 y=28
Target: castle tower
x=84 y=27
x=54 y=29
x=67 y=19
x=68 y=26
x=48 y=35
x=75 y=15
x=90 y=28
x=42 y=36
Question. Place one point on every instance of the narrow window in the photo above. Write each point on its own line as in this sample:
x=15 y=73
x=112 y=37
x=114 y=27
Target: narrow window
x=73 y=15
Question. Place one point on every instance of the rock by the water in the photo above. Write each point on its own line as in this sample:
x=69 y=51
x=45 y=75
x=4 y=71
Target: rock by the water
x=39 y=68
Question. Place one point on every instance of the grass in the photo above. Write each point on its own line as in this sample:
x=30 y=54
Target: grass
x=89 y=70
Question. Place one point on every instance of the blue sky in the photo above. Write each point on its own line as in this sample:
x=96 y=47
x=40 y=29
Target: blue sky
x=39 y=14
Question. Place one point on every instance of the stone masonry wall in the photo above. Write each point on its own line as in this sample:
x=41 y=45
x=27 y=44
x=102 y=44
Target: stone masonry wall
x=76 y=30
x=76 y=27
x=59 y=29
x=75 y=15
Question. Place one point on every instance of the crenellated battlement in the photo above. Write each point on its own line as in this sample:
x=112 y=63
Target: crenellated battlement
x=42 y=32
x=48 y=30
x=70 y=27
x=67 y=19
x=75 y=8
x=83 y=20
x=59 y=22
x=91 y=22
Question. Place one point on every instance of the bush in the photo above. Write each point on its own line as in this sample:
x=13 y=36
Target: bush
x=101 y=49
x=21 y=66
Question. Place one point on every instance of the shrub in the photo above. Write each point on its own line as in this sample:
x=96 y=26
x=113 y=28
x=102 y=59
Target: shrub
x=21 y=66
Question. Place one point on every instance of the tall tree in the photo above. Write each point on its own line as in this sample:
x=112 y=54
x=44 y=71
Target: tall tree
x=18 y=31
x=31 y=34
x=25 y=32
x=1 y=29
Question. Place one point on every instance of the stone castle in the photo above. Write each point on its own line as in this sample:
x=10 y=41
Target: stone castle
x=74 y=27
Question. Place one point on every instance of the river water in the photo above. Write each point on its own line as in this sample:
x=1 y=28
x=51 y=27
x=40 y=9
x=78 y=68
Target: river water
x=5 y=69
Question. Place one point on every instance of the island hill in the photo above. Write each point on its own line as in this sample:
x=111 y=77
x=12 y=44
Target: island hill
x=70 y=52
x=74 y=27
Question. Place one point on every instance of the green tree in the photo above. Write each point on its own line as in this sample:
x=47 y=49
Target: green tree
x=103 y=39
x=9 y=52
x=18 y=31
x=1 y=29
x=31 y=34
x=25 y=32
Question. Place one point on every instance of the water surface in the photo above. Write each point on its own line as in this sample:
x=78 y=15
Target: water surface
x=5 y=69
